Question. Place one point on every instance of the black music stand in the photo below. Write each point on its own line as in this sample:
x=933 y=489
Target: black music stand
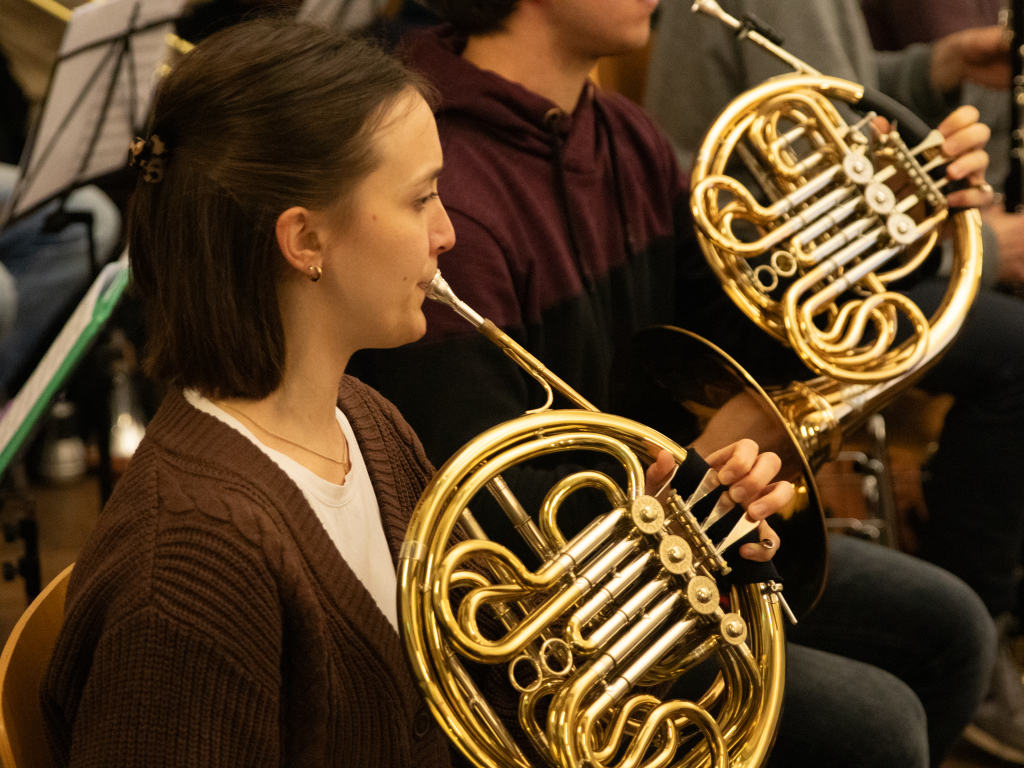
x=98 y=99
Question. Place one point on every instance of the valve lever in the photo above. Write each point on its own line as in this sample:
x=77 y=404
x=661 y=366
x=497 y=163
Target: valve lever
x=741 y=529
x=722 y=506
x=709 y=482
x=667 y=483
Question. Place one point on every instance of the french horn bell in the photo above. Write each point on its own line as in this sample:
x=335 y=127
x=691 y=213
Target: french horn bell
x=580 y=650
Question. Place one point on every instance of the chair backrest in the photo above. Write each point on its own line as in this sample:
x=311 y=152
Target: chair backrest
x=22 y=665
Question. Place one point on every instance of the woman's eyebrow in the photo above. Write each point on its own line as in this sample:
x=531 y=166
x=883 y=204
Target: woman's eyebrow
x=429 y=175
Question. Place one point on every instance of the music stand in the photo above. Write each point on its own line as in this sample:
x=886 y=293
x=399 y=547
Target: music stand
x=98 y=99
x=20 y=416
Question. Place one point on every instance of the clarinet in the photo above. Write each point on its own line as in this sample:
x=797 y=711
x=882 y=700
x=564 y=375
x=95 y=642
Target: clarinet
x=1012 y=20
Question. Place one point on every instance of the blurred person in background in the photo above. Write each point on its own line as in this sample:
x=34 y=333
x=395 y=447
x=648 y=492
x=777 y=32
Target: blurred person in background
x=573 y=233
x=43 y=273
x=975 y=501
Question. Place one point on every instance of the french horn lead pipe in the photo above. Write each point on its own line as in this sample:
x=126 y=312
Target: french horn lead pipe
x=712 y=8
x=439 y=291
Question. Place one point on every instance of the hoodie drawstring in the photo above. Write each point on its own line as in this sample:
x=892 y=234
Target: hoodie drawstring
x=552 y=121
x=620 y=196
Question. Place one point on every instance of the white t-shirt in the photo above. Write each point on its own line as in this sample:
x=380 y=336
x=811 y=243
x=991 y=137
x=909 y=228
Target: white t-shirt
x=349 y=512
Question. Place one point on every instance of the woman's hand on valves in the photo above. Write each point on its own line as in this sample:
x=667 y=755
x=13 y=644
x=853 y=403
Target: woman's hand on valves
x=748 y=475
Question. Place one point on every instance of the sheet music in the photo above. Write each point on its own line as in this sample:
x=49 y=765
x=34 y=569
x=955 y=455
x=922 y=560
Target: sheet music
x=99 y=96
x=21 y=414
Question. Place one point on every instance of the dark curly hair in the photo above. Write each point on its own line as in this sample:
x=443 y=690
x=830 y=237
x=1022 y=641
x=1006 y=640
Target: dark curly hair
x=473 y=17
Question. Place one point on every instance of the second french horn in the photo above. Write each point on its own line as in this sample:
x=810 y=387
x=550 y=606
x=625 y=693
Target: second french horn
x=808 y=221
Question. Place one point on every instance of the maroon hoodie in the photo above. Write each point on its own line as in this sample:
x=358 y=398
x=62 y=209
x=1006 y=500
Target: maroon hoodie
x=572 y=234
x=566 y=228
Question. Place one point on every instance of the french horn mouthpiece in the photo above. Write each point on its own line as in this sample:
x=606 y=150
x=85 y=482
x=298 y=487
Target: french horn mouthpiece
x=438 y=290
x=712 y=8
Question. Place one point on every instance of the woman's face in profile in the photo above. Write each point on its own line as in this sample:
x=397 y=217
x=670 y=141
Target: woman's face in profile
x=381 y=246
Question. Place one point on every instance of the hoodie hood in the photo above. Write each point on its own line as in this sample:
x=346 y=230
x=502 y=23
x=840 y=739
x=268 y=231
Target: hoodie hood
x=569 y=258
x=520 y=118
x=548 y=208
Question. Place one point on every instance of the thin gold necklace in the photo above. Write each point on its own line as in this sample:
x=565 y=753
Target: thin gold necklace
x=343 y=463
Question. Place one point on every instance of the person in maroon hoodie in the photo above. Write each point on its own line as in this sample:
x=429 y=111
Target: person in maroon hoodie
x=573 y=234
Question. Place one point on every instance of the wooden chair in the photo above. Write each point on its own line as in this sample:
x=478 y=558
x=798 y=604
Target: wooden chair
x=22 y=665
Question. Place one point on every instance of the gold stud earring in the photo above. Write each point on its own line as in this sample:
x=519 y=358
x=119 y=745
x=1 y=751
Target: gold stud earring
x=315 y=272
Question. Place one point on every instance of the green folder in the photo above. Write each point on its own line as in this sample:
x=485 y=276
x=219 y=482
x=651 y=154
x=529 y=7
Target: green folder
x=23 y=413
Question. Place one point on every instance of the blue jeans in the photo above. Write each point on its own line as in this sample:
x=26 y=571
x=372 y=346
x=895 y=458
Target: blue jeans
x=48 y=271
x=889 y=667
x=973 y=490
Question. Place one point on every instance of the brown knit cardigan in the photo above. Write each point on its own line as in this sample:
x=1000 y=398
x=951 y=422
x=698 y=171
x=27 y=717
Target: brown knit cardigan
x=211 y=621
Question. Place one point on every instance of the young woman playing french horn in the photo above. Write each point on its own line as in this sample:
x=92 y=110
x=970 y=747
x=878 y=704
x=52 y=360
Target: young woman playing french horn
x=236 y=603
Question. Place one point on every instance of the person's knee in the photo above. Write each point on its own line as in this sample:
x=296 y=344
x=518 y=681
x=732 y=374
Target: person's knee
x=841 y=712
x=966 y=630
x=937 y=612
x=106 y=218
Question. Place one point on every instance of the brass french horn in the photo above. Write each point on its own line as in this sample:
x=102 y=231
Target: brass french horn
x=586 y=643
x=833 y=215
x=807 y=221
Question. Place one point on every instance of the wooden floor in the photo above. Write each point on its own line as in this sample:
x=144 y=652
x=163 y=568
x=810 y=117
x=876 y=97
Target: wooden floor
x=67 y=513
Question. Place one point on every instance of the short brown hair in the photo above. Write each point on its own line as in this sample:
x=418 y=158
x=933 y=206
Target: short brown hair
x=258 y=118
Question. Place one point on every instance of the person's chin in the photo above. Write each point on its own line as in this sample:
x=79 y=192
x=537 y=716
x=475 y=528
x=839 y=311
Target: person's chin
x=628 y=44
x=407 y=333
x=416 y=331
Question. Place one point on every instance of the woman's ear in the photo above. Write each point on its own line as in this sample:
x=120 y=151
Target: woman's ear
x=298 y=240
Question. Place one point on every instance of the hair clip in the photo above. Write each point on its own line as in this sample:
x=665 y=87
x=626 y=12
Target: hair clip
x=148 y=154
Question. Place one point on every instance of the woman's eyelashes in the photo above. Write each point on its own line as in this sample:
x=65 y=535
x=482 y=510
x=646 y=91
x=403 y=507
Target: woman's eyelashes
x=422 y=202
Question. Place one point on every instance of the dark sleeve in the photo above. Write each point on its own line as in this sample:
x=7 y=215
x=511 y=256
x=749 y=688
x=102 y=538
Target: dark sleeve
x=703 y=307
x=701 y=304
x=449 y=390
